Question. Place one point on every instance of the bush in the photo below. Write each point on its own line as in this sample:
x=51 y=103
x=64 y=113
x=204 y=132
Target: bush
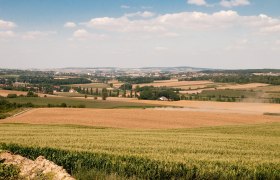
x=8 y=172
x=63 y=105
x=31 y=94
x=3 y=116
x=81 y=106
x=12 y=96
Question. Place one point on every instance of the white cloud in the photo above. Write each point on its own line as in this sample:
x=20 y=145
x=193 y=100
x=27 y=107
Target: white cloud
x=33 y=35
x=177 y=23
x=7 y=24
x=83 y=34
x=197 y=2
x=232 y=3
x=271 y=29
x=145 y=14
x=125 y=6
x=7 y=34
x=70 y=25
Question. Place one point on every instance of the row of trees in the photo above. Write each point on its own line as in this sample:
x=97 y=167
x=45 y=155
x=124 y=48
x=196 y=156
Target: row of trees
x=241 y=79
x=154 y=93
x=141 y=80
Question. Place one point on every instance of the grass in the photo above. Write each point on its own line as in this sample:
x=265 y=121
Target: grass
x=89 y=103
x=67 y=94
x=228 y=93
x=91 y=85
x=243 y=149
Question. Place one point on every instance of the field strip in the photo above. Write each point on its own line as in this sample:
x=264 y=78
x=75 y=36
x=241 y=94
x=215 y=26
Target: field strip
x=137 y=118
x=21 y=112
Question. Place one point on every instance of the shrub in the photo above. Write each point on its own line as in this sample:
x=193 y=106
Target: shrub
x=63 y=105
x=12 y=96
x=8 y=172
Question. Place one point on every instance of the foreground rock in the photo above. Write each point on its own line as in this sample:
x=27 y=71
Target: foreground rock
x=40 y=168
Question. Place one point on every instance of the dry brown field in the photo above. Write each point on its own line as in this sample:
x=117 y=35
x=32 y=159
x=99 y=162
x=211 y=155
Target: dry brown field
x=6 y=92
x=174 y=83
x=234 y=107
x=243 y=86
x=137 y=118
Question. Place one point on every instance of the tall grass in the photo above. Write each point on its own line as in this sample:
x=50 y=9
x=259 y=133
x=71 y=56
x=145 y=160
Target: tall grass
x=233 y=152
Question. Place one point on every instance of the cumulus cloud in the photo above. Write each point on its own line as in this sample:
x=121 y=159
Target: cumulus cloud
x=7 y=24
x=33 y=35
x=7 y=34
x=145 y=14
x=197 y=2
x=232 y=3
x=174 y=24
x=83 y=34
x=70 y=25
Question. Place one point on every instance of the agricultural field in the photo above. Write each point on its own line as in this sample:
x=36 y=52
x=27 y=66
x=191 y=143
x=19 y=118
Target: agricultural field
x=138 y=118
x=68 y=94
x=211 y=106
x=174 y=83
x=229 y=152
x=5 y=93
x=91 y=85
x=88 y=103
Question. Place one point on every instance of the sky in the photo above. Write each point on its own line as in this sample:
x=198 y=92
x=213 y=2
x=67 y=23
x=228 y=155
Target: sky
x=228 y=34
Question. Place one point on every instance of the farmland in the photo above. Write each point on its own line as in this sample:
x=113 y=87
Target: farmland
x=127 y=136
x=138 y=118
x=248 y=150
x=89 y=103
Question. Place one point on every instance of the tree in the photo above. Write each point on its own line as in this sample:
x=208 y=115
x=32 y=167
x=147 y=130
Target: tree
x=104 y=94
x=126 y=86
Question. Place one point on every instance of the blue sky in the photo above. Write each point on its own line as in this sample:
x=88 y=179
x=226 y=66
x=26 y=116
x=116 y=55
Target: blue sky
x=126 y=33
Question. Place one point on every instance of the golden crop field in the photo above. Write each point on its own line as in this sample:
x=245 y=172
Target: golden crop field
x=245 y=151
x=137 y=118
x=174 y=83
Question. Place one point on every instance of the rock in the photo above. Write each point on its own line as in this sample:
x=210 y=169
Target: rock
x=35 y=169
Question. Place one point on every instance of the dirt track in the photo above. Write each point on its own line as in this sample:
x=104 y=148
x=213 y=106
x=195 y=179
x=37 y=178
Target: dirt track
x=137 y=118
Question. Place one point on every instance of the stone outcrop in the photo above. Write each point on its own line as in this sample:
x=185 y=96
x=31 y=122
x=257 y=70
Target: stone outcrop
x=41 y=167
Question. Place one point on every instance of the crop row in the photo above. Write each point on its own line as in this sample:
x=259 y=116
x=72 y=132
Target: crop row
x=133 y=166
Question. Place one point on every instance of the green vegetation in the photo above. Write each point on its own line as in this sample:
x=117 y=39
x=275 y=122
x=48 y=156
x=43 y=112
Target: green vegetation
x=6 y=107
x=233 y=152
x=238 y=78
x=72 y=102
x=8 y=172
x=226 y=95
x=141 y=80
x=154 y=93
x=50 y=80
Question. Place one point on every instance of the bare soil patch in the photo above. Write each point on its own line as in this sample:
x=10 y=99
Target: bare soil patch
x=137 y=118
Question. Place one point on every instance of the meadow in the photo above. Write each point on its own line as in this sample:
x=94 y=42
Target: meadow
x=89 y=103
x=229 y=152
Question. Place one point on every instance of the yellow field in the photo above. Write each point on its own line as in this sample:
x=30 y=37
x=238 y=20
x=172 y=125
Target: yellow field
x=138 y=118
x=174 y=83
x=234 y=107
